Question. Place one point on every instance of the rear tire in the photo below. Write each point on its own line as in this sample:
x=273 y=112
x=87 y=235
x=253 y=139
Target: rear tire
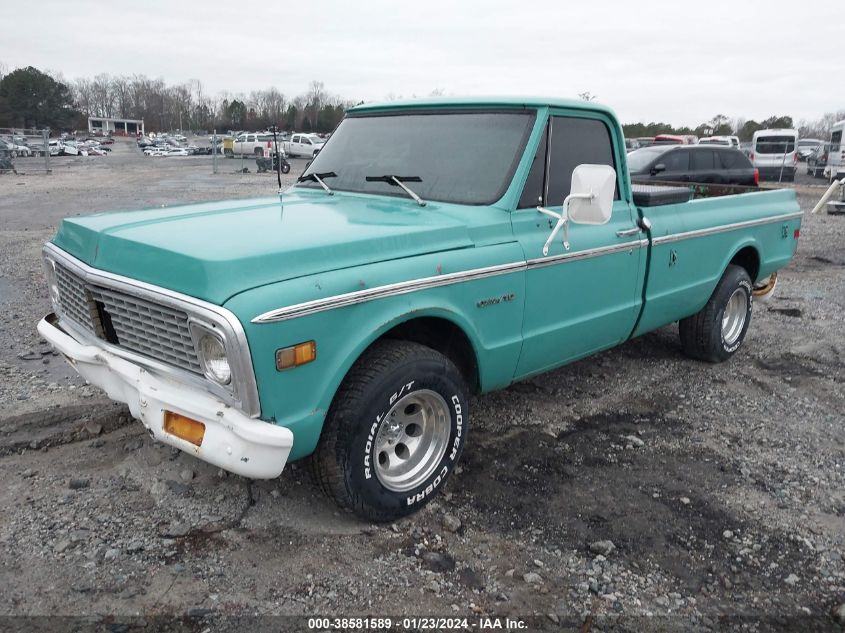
x=394 y=432
x=716 y=332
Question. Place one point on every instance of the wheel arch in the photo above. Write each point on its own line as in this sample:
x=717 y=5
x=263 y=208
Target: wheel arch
x=442 y=330
x=746 y=256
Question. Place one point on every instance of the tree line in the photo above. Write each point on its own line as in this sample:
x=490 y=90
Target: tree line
x=32 y=98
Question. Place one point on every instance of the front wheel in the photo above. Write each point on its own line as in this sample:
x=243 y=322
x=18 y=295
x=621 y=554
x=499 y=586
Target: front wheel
x=394 y=432
x=716 y=332
x=285 y=167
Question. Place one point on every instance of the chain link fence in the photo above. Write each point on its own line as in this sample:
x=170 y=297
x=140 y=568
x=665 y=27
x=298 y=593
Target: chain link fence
x=26 y=150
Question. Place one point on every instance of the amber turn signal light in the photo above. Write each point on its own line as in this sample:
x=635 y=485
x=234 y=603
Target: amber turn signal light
x=295 y=356
x=189 y=430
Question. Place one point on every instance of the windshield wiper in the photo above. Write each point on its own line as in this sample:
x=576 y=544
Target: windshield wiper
x=318 y=178
x=398 y=181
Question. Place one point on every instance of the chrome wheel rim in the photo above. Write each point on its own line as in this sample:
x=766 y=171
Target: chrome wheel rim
x=733 y=318
x=412 y=440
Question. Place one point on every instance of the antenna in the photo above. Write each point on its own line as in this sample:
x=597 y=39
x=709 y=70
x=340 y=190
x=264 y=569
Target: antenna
x=278 y=160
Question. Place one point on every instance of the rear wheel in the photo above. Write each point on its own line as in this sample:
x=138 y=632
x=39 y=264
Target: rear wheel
x=394 y=432
x=716 y=332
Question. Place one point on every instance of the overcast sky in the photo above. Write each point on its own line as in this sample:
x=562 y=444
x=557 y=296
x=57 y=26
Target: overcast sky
x=675 y=61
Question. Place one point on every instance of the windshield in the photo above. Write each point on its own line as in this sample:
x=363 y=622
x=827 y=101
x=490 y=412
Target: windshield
x=775 y=144
x=313 y=138
x=639 y=159
x=461 y=157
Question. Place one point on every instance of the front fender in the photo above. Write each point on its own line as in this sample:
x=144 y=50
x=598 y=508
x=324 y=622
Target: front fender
x=299 y=398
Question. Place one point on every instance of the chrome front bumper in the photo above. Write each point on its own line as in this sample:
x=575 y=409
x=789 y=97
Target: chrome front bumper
x=232 y=440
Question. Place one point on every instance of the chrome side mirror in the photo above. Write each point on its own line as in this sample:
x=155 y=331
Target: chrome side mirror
x=590 y=201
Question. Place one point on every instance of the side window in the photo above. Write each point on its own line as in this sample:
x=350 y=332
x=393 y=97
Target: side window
x=532 y=193
x=250 y=138
x=574 y=142
x=835 y=140
x=702 y=160
x=675 y=161
x=295 y=139
x=729 y=160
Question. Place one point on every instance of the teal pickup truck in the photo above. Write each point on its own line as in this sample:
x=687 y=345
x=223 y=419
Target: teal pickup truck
x=432 y=250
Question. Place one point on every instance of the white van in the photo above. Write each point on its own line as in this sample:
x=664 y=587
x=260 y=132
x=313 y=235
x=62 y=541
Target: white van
x=774 y=153
x=836 y=156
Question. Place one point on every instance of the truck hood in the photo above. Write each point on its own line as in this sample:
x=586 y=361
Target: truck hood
x=215 y=250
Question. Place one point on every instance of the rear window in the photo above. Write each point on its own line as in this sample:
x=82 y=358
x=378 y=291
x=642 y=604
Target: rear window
x=775 y=144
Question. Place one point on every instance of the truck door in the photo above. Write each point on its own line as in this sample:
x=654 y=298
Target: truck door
x=587 y=298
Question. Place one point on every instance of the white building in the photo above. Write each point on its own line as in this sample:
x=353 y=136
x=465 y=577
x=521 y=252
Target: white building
x=115 y=126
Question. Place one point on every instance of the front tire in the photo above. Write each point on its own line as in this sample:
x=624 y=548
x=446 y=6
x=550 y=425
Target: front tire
x=394 y=432
x=716 y=332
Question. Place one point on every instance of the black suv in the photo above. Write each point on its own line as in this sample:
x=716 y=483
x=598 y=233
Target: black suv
x=692 y=163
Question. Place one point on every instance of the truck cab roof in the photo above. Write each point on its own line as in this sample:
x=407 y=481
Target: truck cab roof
x=482 y=102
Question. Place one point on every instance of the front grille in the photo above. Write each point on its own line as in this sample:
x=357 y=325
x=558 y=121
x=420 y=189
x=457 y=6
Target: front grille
x=76 y=303
x=144 y=327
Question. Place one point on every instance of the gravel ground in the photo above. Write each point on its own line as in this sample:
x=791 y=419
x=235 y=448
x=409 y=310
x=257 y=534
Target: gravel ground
x=634 y=490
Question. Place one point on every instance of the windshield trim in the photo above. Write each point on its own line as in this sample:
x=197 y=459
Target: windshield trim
x=507 y=180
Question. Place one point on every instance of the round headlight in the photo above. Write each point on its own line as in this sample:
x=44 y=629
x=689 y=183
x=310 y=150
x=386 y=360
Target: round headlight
x=213 y=355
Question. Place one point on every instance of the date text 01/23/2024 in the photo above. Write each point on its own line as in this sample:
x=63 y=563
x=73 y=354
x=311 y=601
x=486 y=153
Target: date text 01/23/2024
x=417 y=624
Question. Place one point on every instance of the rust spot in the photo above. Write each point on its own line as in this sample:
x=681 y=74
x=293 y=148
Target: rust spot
x=439 y=269
x=361 y=283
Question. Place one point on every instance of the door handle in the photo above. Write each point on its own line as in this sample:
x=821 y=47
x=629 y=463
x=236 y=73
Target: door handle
x=628 y=232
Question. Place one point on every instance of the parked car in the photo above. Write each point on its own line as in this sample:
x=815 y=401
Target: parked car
x=727 y=141
x=13 y=149
x=354 y=327
x=817 y=160
x=774 y=153
x=806 y=146
x=709 y=164
x=835 y=169
x=307 y=145
x=644 y=141
x=668 y=139
x=178 y=151
x=251 y=144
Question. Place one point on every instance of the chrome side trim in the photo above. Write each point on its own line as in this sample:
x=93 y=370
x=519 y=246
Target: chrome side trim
x=541 y=262
x=676 y=237
x=245 y=394
x=389 y=290
x=360 y=296
x=404 y=287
